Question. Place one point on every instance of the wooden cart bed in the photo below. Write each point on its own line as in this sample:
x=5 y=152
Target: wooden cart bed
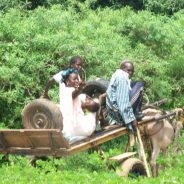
x=42 y=142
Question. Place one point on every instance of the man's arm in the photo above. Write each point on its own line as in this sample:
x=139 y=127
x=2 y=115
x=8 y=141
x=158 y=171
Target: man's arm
x=102 y=98
x=57 y=78
x=78 y=89
x=49 y=83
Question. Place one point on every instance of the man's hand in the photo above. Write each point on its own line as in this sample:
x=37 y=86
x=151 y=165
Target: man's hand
x=102 y=98
x=81 y=84
x=134 y=124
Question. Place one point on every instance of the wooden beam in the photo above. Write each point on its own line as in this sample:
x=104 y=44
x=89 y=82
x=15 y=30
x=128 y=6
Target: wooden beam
x=111 y=134
x=121 y=157
x=27 y=139
x=3 y=141
x=34 y=151
x=98 y=139
x=54 y=142
x=51 y=141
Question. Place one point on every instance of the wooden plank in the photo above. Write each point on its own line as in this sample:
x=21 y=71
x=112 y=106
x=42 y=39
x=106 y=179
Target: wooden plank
x=3 y=142
x=143 y=155
x=111 y=134
x=15 y=140
x=120 y=158
x=30 y=138
x=12 y=141
x=53 y=137
x=98 y=139
x=27 y=139
x=29 y=130
x=61 y=139
x=51 y=142
x=36 y=151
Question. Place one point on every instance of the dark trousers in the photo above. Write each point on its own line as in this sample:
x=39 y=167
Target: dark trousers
x=136 y=96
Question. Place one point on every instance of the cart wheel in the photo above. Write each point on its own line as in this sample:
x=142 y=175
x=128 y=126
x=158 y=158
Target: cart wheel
x=132 y=167
x=42 y=114
x=96 y=87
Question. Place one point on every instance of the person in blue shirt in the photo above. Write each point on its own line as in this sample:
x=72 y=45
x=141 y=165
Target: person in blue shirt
x=123 y=97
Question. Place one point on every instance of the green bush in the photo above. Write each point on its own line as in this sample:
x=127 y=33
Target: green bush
x=87 y=167
x=164 y=7
x=36 y=44
x=168 y=7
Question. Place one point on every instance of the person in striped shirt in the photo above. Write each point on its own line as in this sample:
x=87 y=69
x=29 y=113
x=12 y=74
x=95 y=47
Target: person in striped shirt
x=123 y=97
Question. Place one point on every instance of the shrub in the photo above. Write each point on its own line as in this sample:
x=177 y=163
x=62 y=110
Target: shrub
x=36 y=44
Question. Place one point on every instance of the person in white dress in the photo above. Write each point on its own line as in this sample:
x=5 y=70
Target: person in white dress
x=78 y=110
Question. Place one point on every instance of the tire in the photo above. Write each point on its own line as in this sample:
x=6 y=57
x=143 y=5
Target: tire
x=42 y=114
x=132 y=167
x=96 y=87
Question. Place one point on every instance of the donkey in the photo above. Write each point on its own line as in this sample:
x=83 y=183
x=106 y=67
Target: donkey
x=161 y=134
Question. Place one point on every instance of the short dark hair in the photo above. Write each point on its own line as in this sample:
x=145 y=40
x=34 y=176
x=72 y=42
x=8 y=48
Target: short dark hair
x=124 y=62
x=74 y=59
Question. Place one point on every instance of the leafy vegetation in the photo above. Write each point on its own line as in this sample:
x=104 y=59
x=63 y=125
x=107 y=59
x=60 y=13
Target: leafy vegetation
x=165 y=7
x=36 y=44
x=87 y=167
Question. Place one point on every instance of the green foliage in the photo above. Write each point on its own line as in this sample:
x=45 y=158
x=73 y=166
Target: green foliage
x=87 y=167
x=37 y=44
x=164 y=6
x=7 y=4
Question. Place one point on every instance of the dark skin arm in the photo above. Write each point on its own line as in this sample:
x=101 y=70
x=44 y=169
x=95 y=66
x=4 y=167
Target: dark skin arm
x=75 y=93
x=134 y=124
x=49 y=83
x=102 y=98
x=78 y=89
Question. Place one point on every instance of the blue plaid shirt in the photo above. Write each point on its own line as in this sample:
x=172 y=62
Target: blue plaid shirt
x=118 y=94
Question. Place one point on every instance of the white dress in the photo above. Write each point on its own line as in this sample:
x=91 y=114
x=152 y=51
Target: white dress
x=76 y=124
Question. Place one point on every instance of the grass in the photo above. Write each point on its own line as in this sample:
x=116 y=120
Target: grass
x=87 y=167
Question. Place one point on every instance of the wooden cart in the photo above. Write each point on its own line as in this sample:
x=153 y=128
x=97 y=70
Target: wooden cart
x=50 y=142
x=42 y=134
